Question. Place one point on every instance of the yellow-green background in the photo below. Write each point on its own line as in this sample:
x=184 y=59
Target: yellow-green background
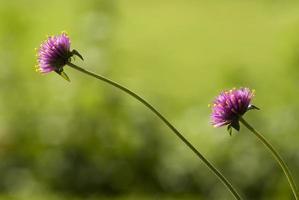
x=87 y=140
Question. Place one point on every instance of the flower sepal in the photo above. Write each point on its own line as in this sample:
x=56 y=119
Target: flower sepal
x=63 y=74
x=234 y=124
x=74 y=52
x=252 y=107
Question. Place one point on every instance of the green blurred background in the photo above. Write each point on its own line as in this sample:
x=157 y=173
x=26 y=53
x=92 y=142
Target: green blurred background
x=87 y=140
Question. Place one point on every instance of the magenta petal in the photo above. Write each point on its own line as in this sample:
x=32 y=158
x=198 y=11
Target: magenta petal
x=230 y=105
x=53 y=53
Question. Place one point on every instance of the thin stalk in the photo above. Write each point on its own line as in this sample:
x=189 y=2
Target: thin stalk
x=175 y=131
x=276 y=155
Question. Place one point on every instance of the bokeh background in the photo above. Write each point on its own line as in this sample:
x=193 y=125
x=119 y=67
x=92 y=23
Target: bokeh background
x=87 y=140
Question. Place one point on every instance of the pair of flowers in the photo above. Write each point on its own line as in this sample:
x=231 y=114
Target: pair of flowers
x=55 y=53
x=227 y=109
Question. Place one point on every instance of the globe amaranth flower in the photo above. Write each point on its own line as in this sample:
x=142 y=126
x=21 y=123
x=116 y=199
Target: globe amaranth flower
x=229 y=106
x=54 y=53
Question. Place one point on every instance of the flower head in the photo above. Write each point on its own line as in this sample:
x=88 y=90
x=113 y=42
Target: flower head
x=54 y=53
x=229 y=106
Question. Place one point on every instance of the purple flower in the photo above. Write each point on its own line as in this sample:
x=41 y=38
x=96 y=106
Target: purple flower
x=54 y=53
x=229 y=106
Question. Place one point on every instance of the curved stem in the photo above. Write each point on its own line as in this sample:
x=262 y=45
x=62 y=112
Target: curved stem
x=276 y=155
x=175 y=131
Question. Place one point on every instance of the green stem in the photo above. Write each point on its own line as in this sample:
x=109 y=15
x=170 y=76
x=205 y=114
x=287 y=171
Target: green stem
x=276 y=155
x=177 y=133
